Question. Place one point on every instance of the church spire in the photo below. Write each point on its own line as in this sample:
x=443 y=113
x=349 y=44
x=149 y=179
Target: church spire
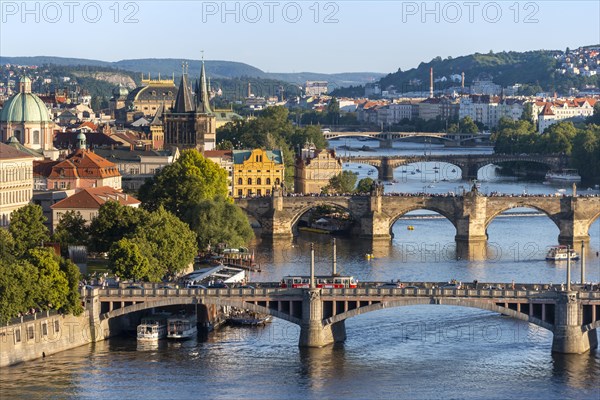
x=184 y=101
x=202 y=99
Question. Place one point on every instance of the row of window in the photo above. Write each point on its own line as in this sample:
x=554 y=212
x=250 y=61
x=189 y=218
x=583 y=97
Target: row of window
x=30 y=331
x=16 y=196
x=259 y=181
x=257 y=171
x=250 y=192
x=12 y=172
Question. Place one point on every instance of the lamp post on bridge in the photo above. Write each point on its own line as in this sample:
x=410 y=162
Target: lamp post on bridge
x=568 y=268
x=312 y=265
x=582 y=263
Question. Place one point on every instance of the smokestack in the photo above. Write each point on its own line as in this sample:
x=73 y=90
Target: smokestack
x=462 y=81
x=431 y=82
x=249 y=89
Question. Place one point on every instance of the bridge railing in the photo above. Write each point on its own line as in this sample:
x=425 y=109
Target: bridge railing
x=363 y=291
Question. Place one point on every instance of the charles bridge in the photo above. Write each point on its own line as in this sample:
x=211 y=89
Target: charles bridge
x=386 y=139
x=572 y=315
x=470 y=214
x=469 y=164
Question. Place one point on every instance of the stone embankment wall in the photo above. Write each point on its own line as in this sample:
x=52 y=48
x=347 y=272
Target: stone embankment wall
x=49 y=334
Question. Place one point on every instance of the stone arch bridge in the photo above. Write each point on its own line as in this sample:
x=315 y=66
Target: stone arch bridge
x=386 y=139
x=470 y=214
x=572 y=316
x=469 y=164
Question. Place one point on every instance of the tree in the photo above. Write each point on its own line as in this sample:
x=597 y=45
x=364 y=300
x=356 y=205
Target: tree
x=71 y=230
x=189 y=180
x=71 y=271
x=364 y=185
x=343 y=182
x=27 y=228
x=114 y=221
x=52 y=284
x=527 y=114
x=7 y=246
x=219 y=222
x=467 y=125
x=173 y=243
x=18 y=283
x=128 y=260
x=595 y=118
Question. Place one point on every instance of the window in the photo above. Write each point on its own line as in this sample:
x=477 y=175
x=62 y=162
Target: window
x=63 y=185
x=268 y=181
x=258 y=192
x=240 y=181
x=36 y=137
x=258 y=181
x=249 y=181
x=30 y=333
x=239 y=192
x=56 y=326
x=44 y=329
x=18 y=335
x=277 y=182
x=268 y=192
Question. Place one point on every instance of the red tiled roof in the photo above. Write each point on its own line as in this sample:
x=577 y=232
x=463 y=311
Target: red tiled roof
x=93 y=198
x=218 y=153
x=8 y=152
x=547 y=110
x=84 y=164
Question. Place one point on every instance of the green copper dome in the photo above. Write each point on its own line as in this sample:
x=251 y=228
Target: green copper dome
x=24 y=106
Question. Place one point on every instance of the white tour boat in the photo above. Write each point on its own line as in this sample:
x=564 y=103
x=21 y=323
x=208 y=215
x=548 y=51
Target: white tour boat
x=570 y=175
x=560 y=253
x=152 y=328
x=182 y=327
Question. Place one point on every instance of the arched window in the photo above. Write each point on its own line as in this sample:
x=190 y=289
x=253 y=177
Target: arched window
x=17 y=134
x=249 y=181
x=36 y=137
x=258 y=181
x=240 y=181
x=277 y=182
x=268 y=181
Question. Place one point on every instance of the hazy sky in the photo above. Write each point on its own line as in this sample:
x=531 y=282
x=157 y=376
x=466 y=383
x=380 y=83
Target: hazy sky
x=288 y=36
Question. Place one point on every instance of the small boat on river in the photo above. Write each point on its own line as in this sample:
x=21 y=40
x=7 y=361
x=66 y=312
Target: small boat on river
x=560 y=253
x=182 y=327
x=152 y=328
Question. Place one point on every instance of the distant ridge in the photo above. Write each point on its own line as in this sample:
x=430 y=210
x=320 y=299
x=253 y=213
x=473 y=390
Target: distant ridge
x=215 y=69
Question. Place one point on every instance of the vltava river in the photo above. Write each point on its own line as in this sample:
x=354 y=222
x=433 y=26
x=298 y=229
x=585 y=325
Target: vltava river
x=418 y=352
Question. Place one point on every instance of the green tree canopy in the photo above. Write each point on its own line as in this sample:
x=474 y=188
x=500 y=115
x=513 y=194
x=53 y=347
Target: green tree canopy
x=27 y=228
x=343 y=182
x=71 y=230
x=173 y=244
x=52 y=284
x=189 y=180
x=113 y=222
x=364 y=185
x=129 y=260
x=219 y=222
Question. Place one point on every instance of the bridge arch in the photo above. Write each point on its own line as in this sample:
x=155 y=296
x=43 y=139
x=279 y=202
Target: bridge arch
x=592 y=220
x=298 y=214
x=523 y=204
x=488 y=306
x=164 y=302
x=405 y=211
x=549 y=165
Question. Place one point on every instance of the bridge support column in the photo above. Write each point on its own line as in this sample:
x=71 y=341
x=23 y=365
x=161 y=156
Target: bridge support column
x=469 y=171
x=312 y=331
x=568 y=319
x=574 y=227
x=386 y=144
x=471 y=237
x=386 y=171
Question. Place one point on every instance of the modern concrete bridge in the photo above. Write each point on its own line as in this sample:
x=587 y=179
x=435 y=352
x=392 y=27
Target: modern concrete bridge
x=572 y=315
x=469 y=164
x=470 y=214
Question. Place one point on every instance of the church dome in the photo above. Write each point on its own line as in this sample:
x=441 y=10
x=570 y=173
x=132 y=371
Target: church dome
x=24 y=106
x=120 y=92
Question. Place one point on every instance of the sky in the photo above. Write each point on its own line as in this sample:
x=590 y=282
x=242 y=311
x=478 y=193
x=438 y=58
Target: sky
x=294 y=36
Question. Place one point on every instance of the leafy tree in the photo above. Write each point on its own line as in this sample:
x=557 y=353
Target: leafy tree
x=527 y=114
x=52 y=284
x=18 y=283
x=225 y=145
x=71 y=230
x=173 y=243
x=128 y=260
x=7 y=245
x=467 y=125
x=219 y=222
x=27 y=228
x=71 y=271
x=364 y=185
x=343 y=182
x=595 y=118
x=189 y=180
x=114 y=221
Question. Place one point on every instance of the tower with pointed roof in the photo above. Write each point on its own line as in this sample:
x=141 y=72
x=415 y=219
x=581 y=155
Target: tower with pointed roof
x=191 y=122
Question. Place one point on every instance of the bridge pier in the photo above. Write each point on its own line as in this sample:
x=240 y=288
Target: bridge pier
x=568 y=336
x=469 y=171
x=386 y=144
x=386 y=170
x=312 y=331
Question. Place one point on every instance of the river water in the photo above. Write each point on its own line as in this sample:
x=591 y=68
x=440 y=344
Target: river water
x=417 y=352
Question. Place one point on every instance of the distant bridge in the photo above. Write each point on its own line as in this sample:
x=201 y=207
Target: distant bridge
x=469 y=164
x=470 y=214
x=386 y=138
x=572 y=316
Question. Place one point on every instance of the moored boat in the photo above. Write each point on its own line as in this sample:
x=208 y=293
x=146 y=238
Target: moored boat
x=570 y=175
x=151 y=328
x=560 y=253
x=182 y=327
x=249 y=318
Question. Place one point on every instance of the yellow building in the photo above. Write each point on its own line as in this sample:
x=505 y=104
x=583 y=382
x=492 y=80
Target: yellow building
x=256 y=172
x=314 y=169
